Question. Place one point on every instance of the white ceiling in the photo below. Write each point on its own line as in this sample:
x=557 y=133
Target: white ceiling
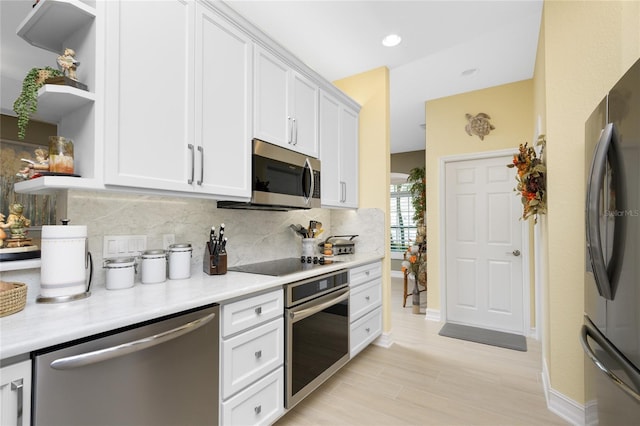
x=440 y=40
x=338 y=39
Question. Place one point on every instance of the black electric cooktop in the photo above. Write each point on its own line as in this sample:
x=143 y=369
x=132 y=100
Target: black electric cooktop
x=280 y=267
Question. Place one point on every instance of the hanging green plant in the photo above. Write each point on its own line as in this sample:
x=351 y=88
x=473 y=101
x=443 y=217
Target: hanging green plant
x=27 y=103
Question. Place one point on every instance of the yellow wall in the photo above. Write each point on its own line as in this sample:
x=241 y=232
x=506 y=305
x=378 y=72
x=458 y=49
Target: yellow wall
x=371 y=90
x=510 y=107
x=588 y=45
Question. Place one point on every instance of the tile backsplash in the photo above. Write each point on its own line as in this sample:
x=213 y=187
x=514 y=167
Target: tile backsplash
x=253 y=235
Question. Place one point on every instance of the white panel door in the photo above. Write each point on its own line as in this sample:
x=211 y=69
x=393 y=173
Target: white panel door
x=349 y=157
x=272 y=119
x=304 y=112
x=484 y=284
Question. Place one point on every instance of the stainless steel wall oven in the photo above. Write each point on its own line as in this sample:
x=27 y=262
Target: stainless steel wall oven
x=317 y=332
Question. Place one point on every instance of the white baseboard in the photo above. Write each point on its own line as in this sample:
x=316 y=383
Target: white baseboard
x=433 y=315
x=560 y=404
x=385 y=340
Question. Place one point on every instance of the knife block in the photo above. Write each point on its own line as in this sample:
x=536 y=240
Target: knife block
x=214 y=264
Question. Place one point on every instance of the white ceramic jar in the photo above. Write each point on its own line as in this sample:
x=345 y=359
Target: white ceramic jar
x=180 y=261
x=153 y=267
x=121 y=272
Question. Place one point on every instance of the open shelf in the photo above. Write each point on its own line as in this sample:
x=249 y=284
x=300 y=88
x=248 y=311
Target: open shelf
x=47 y=185
x=51 y=23
x=56 y=101
x=16 y=265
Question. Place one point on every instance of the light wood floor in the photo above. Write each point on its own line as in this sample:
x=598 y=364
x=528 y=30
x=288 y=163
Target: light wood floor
x=426 y=379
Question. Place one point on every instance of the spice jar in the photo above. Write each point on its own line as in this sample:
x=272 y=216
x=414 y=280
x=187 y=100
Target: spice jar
x=60 y=155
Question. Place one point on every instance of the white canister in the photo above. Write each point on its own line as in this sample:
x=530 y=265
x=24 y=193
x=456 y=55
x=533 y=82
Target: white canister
x=121 y=272
x=153 y=267
x=64 y=263
x=180 y=261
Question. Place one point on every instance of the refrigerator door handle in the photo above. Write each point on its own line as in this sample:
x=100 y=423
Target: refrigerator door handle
x=606 y=276
x=633 y=373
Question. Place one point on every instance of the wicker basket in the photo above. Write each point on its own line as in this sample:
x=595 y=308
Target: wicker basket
x=13 y=297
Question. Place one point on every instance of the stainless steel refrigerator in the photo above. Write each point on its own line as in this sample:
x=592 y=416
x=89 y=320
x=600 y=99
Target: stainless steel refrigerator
x=610 y=335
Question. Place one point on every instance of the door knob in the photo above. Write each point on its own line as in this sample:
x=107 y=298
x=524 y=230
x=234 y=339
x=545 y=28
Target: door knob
x=516 y=252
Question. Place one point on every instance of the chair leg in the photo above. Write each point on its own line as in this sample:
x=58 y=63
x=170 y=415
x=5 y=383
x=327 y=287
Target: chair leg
x=405 y=295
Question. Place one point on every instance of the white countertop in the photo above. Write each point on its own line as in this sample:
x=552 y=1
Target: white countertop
x=39 y=325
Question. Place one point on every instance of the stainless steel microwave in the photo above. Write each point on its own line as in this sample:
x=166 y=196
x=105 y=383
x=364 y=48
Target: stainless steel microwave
x=281 y=180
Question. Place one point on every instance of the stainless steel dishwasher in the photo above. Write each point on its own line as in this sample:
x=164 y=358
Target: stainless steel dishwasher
x=163 y=372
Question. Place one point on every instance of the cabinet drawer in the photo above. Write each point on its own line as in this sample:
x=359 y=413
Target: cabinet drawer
x=246 y=313
x=250 y=355
x=259 y=404
x=364 y=298
x=364 y=273
x=365 y=330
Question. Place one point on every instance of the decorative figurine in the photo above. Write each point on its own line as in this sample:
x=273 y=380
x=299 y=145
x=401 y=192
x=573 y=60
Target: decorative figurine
x=33 y=167
x=478 y=125
x=17 y=222
x=3 y=235
x=68 y=63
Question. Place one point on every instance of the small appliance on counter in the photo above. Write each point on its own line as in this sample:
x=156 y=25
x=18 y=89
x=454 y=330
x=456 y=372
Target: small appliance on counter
x=66 y=265
x=337 y=244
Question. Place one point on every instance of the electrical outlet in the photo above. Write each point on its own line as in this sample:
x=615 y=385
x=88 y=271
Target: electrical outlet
x=167 y=240
x=123 y=245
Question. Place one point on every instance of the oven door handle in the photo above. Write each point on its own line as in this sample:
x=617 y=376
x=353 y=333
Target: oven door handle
x=336 y=297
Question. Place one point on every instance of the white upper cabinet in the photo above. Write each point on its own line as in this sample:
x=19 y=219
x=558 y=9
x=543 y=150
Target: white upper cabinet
x=224 y=70
x=338 y=153
x=149 y=97
x=285 y=105
x=178 y=115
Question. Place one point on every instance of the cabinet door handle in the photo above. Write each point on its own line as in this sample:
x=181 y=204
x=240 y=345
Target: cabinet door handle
x=193 y=162
x=290 y=130
x=18 y=386
x=295 y=132
x=258 y=354
x=367 y=330
x=257 y=409
x=367 y=298
x=201 y=150
x=258 y=310
x=343 y=192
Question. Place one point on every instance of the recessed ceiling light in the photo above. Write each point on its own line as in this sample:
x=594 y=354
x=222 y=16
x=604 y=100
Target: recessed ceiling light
x=391 y=40
x=469 y=72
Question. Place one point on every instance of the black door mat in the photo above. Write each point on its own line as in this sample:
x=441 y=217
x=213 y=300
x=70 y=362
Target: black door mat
x=487 y=337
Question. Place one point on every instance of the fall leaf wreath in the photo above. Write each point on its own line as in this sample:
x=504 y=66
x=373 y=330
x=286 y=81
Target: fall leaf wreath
x=531 y=179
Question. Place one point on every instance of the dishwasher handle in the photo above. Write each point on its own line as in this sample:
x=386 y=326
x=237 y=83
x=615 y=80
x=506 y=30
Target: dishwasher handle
x=100 y=355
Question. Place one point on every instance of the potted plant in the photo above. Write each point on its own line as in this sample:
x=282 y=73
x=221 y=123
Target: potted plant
x=27 y=103
x=419 y=200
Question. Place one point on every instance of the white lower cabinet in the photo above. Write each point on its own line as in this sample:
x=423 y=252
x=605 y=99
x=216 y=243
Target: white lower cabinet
x=252 y=360
x=15 y=394
x=260 y=403
x=365 y=306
